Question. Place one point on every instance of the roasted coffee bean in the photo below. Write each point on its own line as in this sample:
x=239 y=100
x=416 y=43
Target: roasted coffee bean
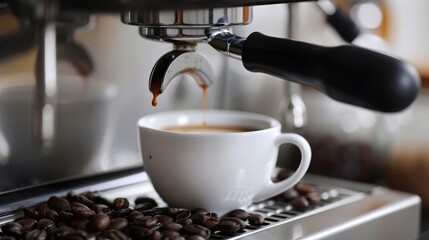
x=36 y=234
x=65 y=216
x=139 y=232
x=75 y=236
x=120 y=203
x=195 y=229
x=134 y=214
x=239 y=213
x=81 y=210
x=303 y=188
x=119 y=224
x=61 y=232
x=99 y=222
x=154 y=211
x=52 y=214
x=240 y=222
x=148 y=202
x=164 y=219
x=42 y=209
x=199 y=210
x=229 y=227
x=313 y=197
x=73 y=197
x=58 y=204
x=183 y=221
x=300 y=203
x=13 y=229
x=27 y=223
x=78 y=223
x=211 y=220
x=122 y=212
x=289 y=194
x=256 y=219
x=145 y=221
x=114 y=234
x=184 y=213
x=6 y=238
x=44 y=224
x=172 y=226
x=169 y=234
x=283 y=174
x=199 y=218
x=194 y=237
x=172 y=211
x=156 y=235
x=30 y=213
x=101 y=208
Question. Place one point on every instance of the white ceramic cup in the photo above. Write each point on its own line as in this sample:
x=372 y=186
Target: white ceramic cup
x=218 y=171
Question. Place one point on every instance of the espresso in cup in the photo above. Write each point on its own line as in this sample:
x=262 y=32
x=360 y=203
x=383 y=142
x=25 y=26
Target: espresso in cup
x=222 y=165
x=209 y=128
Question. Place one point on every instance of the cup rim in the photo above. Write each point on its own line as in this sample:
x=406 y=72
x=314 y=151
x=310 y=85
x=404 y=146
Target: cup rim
x=146 y=121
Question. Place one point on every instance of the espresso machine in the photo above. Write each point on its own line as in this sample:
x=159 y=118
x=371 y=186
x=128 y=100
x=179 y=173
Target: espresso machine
x=74 y=79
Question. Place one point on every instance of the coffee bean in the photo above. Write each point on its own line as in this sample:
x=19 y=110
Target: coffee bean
x=119 y=224
x=27 y=223
x=30 y=213
x=78 y=223
x=169 y=234
x=44 y=224
x=120 y=203
x=313 y=197
x=184 y=213
x=65 y=216
x=199 y=218
x=211 y=220
x=156 y=235
x=75 y=236
x=194 y=237
x=101 y=208
x=13 y=229
x=256 y=219
x=229 y=227
x=81 y=210
x=300 y=203
x=282 y=175
x=199 y=210
x=139 y=232
x=289 y=194
x=99 y=222
x=58 y=204
x=52 y=214
x=145 y=221
x=184 y=221
x=164 y=219
x=73 y=197
x=173 y=211
x=194 y=229
x=114 y=234
x=154 y=211
x=148 y=202
x=240 y=222
x=42 y=209
x=36 y=234
x=122 y=212
x=172 y=226
x=239 y=213
x=303 y=188
x=6 y=238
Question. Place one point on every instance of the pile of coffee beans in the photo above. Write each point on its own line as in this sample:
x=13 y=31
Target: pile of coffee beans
x=90 y=216
x=301 y=196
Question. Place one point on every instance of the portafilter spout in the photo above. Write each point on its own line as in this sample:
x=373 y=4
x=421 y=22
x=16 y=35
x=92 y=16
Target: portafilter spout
x=179 y=61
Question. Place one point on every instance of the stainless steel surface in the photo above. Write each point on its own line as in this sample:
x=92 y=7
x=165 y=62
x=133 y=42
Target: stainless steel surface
x=348 y=211
x=175 y=63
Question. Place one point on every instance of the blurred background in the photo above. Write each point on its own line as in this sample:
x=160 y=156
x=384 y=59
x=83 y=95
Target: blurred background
x=104 y=90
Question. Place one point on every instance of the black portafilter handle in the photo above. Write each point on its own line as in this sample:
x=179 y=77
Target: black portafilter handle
x=347 y=73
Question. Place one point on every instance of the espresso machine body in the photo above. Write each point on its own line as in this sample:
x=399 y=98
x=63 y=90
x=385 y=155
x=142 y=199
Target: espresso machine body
x=68 y=117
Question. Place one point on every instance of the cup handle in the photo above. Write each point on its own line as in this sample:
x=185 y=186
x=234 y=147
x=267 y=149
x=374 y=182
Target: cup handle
x=272 y=189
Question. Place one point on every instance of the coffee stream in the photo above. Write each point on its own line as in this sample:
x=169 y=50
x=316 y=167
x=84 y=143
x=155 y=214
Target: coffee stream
x=156 y=91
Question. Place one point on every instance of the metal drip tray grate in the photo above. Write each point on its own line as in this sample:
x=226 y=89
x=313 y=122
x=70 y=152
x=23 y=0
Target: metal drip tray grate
x=346 y=210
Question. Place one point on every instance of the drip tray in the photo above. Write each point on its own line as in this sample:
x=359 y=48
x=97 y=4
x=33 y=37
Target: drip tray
x=348 y=210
